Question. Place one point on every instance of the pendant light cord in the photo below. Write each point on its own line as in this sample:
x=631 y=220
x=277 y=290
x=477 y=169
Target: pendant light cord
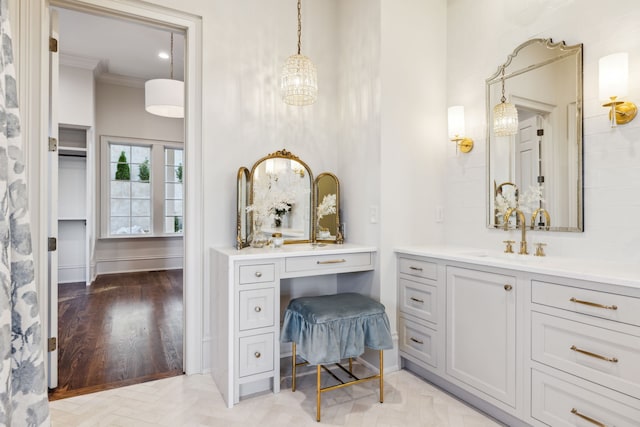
x=171 y=56
x=503 y=97
x=299 y=26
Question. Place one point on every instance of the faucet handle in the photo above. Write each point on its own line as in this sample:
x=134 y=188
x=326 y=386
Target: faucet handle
x=540 y=249
x=509 y=248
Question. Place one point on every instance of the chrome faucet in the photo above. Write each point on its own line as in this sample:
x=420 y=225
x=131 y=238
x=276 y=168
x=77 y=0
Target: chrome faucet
x=523 y=226
x=547 y=218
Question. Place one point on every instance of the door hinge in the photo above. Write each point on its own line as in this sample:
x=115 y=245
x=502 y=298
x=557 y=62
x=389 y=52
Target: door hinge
x=53 y=144
x=52 y=244
x=540 y=132
x=52 y=344
x=541 y=179
x=53 y=45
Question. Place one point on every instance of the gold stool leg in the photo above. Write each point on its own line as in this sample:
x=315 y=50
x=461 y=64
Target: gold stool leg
x=318 y=395
x=293 y=367
x=381 y=377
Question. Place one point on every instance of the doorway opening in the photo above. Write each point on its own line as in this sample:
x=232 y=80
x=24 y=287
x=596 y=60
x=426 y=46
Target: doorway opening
x=120 y=305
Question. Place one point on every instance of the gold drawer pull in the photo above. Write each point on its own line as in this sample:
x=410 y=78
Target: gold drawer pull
x=584 y=417
x=597 y=356
x=332 y=261
x=508 y=287
x=594 y=304
x=258 y=274
x=415 y=268
x=417 y=300
x=258 y=309
x=257 y=354
x=416 y=340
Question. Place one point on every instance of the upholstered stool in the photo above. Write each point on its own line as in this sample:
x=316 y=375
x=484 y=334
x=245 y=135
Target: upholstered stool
x=326 y=329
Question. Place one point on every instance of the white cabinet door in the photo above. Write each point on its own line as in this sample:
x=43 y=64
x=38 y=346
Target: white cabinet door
x=481 y=340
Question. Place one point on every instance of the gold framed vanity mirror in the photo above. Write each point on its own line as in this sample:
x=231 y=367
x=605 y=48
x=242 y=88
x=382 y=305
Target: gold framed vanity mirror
x=279 y=201
x=542 y=159
x=242 y=199
x=327 y=209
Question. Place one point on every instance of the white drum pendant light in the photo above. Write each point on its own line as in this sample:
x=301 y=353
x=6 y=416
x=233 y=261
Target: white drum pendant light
x=299 y=81
x=165 y=97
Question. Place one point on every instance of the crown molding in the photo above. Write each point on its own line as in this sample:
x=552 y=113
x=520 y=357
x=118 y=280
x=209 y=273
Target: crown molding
x=120 y=80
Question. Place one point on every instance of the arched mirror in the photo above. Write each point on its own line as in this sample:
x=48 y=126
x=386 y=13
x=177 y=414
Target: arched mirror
x=327 y=212
x=542 y=158
x=243 y=229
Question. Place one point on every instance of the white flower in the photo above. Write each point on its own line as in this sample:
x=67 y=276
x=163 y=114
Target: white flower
x=527 y=202
x=276 y=191
x=327 y=206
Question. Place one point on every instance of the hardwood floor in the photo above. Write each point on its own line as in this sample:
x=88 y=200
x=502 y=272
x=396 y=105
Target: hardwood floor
x=121 y=330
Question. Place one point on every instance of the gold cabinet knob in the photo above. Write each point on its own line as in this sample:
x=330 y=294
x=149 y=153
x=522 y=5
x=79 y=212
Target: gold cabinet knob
x=508 y=287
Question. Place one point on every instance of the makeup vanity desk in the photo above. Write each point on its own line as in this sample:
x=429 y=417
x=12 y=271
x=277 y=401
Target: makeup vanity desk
x=245 y=304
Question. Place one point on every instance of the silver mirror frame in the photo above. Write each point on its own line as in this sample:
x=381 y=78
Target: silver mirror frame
x=565 y=51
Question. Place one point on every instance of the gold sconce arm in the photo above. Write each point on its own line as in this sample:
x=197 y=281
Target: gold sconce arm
x=622 y=112
x=464 y=144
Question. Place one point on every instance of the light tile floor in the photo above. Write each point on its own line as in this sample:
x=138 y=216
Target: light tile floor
x=195 y=401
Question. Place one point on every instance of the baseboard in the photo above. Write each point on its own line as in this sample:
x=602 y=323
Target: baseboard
x=131 y=265
x=71 y=273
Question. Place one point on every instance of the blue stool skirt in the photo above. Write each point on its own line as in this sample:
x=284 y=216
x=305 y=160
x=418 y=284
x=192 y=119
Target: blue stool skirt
x=326 y=329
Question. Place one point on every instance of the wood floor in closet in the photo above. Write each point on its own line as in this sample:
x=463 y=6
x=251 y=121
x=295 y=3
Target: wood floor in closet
x=123 y=329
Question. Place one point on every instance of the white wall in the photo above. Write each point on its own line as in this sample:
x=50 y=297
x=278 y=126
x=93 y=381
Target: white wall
x=480 y=36
x=120 y=112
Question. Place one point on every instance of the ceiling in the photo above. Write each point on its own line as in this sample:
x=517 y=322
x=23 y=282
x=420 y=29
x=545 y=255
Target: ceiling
x=123 y=48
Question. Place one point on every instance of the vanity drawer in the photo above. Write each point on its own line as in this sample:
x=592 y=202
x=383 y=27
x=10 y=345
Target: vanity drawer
x=558 y=403
x=596 y=354
x=418 y=268
x=256 y=354
x=256 y=308
x=257 y=273
x=419 y=299
x=320 y=263
x=418 y=341
x=616 y=307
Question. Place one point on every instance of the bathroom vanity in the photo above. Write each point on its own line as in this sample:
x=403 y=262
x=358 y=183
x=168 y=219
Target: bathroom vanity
x=246 y=296
x=530 y=340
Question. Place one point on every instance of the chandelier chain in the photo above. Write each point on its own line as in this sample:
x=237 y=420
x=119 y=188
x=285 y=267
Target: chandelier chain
x=299 y=26
x=503 y=99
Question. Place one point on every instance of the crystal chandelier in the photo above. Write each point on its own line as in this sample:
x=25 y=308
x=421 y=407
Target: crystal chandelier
x=505 y=116
x=299 y=81
x=165 y=97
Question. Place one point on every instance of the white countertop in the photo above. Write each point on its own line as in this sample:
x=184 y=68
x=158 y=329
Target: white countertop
x=616 y=273
x=294 y=250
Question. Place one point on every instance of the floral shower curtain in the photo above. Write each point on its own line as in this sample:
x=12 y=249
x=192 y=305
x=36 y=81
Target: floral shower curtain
x=23 y=390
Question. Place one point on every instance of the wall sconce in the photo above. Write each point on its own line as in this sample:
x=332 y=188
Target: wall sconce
x=613 y=79
x=456 y=129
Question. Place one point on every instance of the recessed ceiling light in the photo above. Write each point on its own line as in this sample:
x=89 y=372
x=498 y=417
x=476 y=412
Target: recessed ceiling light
x=163 y=55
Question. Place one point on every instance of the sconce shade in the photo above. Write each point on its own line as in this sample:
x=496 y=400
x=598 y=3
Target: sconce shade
x=613 y=76
x=164 y=97
x=505 y=119
x=456 y=121
x=299 y=81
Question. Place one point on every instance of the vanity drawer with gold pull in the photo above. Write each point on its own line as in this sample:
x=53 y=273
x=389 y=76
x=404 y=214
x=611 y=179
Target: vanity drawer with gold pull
x=257 y=308
x=418 y=299
x=560 y=403
x=615 y=307
x=320 y=263
x=256 y=354
x=418 y=268
x=257 y=273
x=418 y=341
x=600 y=355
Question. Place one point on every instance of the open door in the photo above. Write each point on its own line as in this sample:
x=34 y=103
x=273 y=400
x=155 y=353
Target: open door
x=52 y=204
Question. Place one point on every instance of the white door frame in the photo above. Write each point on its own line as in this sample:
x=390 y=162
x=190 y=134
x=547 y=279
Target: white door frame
x=36 y=81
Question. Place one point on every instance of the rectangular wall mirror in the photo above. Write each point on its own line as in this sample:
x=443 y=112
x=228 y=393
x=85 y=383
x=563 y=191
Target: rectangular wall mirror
x=542 y=158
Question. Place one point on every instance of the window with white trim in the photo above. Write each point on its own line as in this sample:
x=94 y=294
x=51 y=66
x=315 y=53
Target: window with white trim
x=141 y=187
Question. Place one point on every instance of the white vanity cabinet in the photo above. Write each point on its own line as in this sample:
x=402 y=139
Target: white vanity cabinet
x=481 y=331
x=529 y=341
x=246 y=307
